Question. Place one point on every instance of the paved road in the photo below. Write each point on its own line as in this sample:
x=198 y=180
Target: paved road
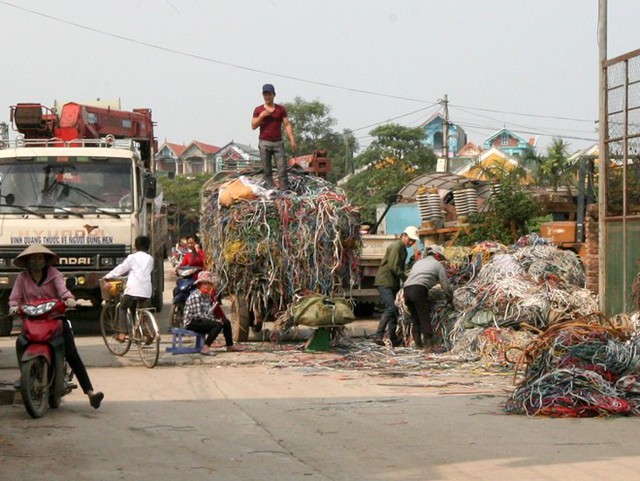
x=280 y=413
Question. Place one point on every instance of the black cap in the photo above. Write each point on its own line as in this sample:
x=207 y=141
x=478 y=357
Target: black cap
x=268 y=88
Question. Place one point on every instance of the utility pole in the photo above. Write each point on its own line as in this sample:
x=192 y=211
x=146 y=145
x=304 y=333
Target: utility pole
x=445 y=132
x=602 y=151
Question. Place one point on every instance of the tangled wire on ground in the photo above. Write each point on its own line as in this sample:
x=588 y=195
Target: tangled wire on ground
x=586 y=367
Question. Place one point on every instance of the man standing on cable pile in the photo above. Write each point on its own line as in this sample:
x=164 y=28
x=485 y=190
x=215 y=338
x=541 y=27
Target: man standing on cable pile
x=388 y=278
x=425 y=274
x=270 y=117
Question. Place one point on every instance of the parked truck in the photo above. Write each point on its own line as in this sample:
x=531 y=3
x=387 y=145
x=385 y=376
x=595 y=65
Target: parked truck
x=80 y=181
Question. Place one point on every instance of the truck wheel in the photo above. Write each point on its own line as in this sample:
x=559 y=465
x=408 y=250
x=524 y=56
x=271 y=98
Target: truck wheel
x=364 y=309
x=6 y=324
x=240 y=320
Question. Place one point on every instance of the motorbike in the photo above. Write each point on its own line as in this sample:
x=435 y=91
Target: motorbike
x=177 y=255
x=45 y=376
x=184 y=285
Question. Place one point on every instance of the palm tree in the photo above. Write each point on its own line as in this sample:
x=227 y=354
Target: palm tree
x=555 y=170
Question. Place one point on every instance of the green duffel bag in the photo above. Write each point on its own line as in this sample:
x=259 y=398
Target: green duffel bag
x=317 y=310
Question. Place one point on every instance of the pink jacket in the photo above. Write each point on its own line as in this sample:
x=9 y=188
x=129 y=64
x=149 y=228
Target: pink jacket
x=25 y=289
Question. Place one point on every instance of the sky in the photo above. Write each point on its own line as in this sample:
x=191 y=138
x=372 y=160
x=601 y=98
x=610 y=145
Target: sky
x=528 y=65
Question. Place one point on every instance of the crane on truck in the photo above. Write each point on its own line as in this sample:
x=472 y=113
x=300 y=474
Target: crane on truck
x=79 y=181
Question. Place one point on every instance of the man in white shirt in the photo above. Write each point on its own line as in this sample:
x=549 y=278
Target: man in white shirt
x=138 y=267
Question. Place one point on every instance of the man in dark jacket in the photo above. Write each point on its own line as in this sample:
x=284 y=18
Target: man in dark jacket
x=388 y=278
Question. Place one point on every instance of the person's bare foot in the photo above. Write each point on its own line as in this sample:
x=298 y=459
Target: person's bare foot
x=206 y=351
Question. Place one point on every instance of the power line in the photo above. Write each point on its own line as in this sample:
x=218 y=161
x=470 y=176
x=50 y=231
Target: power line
x=208 y=59
x=394 y=118
x=315 y=82
x=591 y=121
x=266 y=72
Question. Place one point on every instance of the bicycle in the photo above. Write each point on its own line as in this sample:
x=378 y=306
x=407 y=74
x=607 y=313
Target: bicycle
x=143 y=330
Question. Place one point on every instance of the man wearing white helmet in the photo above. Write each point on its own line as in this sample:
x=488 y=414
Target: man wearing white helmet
x=425 y=274
x=387 y=280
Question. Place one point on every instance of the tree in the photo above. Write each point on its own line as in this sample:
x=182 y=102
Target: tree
x=402 y=143
x=182 y=193
x=313 y=128
x=396 y=156
x=555 y=170
x=510 y=210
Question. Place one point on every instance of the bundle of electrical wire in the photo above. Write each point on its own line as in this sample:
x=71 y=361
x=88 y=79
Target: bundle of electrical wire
x=267 y=248
x=536 y=285
x=580 y=368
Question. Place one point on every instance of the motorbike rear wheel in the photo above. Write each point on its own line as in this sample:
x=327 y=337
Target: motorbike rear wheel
x=35 y=385
x=177 y=313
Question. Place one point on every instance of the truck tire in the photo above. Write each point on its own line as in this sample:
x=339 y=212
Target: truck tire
x=364 y=309
x=6 y=324
x=240 y=320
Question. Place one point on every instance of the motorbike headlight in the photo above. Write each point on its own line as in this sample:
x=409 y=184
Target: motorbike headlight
x=38 y=310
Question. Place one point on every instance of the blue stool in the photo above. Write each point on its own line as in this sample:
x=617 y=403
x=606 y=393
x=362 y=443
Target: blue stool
x=177 y=343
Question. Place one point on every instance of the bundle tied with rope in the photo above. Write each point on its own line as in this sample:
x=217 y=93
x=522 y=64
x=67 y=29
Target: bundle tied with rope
x=270 y=247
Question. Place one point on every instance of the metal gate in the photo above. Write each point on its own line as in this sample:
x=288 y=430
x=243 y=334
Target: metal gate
x=620 y=164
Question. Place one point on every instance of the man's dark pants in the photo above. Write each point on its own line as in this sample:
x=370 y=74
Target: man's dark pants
x=268 y=151
x=389 y=319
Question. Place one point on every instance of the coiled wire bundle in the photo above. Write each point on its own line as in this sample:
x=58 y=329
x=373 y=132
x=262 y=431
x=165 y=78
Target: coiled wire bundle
x=580 y=368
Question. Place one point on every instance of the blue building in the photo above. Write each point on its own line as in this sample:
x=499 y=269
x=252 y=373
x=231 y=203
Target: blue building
x=434 y=133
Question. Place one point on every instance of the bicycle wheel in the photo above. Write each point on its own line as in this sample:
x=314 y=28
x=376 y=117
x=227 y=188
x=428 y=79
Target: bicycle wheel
x=111 y=330
x=147 y=338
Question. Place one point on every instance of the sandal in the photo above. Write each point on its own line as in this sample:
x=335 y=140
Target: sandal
x=207 y=353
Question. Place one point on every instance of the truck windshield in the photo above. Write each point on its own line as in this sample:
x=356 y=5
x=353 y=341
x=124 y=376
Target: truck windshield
x=76 y=185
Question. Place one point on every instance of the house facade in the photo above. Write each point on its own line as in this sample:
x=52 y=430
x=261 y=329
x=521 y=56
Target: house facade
x=509 y=143
x=199 y=158
x=195 y=158
x=489 y=159
x=168 y=158
x=237 y=157
x=434 y=136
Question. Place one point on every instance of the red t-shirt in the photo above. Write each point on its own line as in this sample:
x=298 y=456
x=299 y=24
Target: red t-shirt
x=271 y=127
x=192 y=259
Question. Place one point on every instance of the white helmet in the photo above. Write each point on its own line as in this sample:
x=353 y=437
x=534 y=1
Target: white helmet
x=412 y=233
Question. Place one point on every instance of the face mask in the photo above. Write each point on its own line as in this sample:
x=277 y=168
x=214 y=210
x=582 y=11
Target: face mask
x=205 y=288
x=35 y=264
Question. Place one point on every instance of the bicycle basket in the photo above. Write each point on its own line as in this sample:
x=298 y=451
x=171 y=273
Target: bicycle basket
x=111 y=289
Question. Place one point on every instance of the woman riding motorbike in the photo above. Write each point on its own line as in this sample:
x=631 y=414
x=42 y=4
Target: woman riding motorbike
x=41 y=280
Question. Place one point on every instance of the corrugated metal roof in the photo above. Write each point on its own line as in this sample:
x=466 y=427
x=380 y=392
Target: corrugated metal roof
x=440 y=181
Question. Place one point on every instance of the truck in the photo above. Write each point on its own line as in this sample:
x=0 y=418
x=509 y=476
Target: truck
x=79 y=180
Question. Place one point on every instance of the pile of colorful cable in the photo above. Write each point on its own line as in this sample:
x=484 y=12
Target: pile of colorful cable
x=587 y=367
x=268 y=248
